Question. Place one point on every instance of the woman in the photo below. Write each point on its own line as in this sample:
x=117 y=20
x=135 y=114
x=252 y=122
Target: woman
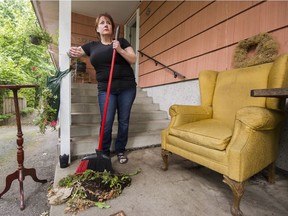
x=123 y=87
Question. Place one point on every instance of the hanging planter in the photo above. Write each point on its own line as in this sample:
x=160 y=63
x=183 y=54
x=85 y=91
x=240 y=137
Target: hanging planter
x=38 y=35
x=79 y=66
x=35 y=40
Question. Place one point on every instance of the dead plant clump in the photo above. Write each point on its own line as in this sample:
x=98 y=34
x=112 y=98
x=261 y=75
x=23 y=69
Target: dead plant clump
x=92 y=188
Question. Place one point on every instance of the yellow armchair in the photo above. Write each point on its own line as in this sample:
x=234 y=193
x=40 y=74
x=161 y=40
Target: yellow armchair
x=231 y=132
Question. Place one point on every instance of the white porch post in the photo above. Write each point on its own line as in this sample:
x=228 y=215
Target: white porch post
x=64 y=63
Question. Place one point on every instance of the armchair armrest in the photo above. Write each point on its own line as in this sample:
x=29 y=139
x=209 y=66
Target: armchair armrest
x=259 y=118
x=182 y=114
x=253 y=145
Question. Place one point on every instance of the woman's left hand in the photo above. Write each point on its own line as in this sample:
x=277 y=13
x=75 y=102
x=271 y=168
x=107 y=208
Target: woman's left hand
x=116 y=45
x=127 y=53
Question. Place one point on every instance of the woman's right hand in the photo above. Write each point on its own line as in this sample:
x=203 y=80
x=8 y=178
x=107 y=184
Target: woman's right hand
x=76 y=52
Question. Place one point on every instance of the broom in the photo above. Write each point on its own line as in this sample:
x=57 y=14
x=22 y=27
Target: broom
x=99 y=162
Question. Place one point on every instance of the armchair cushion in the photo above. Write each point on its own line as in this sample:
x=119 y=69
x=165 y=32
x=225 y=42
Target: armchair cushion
x=210 y=133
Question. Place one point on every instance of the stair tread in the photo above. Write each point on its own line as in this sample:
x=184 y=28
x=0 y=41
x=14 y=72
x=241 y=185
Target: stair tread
x=131 y=134
x=134 y=111
x=131 y=122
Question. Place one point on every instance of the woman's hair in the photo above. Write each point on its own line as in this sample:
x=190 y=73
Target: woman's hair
x=107 y=16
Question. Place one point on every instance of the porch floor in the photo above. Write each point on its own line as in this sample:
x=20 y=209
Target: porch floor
x=185 y=190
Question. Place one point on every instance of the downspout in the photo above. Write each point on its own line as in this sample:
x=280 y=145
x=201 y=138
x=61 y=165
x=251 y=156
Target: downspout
x=64 y=63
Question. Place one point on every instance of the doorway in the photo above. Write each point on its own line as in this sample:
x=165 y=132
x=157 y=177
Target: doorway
x=131 y=34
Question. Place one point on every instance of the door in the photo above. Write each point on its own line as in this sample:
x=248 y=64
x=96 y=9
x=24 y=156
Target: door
x=131 y=34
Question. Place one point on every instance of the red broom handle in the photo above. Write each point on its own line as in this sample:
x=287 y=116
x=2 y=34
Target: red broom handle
x=107 y=94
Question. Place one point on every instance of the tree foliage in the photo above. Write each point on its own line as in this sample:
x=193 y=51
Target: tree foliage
x=22 y=62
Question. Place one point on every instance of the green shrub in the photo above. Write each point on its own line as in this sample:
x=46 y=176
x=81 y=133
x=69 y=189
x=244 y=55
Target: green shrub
x=5 y=117
x=27 y=111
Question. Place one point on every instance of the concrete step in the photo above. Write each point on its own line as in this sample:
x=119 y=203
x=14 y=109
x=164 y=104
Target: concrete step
x=94 y=99
x=84 y=92
x=94 y=92
x=91 y=90
x=83 y=86
x=89 y=107
x=78 y=130
x=82 y=146
x=94 y=117
x=84 y=99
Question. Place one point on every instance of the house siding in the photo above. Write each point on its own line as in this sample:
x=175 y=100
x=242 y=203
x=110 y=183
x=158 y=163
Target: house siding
x=82 y=31
x=192 y=36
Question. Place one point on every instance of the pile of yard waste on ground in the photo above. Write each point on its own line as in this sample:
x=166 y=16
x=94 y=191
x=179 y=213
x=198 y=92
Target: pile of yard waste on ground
x=89 y=189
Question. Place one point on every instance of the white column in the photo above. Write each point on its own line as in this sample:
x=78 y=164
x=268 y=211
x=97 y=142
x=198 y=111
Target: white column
x=64 y=63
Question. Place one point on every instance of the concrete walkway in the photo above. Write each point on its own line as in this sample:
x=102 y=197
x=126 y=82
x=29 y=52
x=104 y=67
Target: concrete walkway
x=184 y=190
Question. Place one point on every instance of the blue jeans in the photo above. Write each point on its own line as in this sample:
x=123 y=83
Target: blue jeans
x=120 y=101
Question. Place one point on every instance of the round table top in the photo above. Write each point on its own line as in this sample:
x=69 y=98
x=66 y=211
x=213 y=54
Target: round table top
x=17 y=86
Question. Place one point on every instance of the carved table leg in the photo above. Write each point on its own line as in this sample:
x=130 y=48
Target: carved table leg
x=238 y=191
x=164 y=155
x=21 y=179
x=9 y=179
x=32 y=172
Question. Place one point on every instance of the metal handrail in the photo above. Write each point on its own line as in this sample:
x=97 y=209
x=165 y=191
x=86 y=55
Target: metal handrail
x=175 y=73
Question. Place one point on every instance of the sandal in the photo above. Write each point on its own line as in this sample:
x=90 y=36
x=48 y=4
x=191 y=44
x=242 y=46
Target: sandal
x=122 y=158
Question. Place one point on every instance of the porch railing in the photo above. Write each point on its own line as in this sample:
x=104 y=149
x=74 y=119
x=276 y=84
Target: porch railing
x=175 y=73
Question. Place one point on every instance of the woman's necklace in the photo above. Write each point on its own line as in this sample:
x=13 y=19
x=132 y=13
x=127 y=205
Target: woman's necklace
x=106 y=42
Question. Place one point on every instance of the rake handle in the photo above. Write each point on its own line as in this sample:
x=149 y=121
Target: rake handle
x=107 y=94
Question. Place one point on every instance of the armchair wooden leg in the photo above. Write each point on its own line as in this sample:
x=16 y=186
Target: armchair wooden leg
x=271 y=173
x=164 y=155
x=238 y=191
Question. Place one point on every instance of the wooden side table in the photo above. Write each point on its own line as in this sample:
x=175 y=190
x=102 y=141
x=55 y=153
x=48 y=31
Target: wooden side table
x=273 y=92
x=21 y=172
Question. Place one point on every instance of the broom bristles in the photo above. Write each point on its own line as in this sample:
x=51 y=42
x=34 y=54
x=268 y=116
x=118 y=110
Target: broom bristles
x=82 y=166
x=96 y=162
x=100 y=164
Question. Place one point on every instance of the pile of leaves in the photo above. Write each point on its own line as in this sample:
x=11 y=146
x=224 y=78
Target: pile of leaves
x=92 y=189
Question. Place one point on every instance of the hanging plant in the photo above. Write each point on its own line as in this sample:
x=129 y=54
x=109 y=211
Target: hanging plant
x=47 y=114
x=35 y=40
x=259 y=49
x=79 y=65
x=49 y=108
x=38 y=35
